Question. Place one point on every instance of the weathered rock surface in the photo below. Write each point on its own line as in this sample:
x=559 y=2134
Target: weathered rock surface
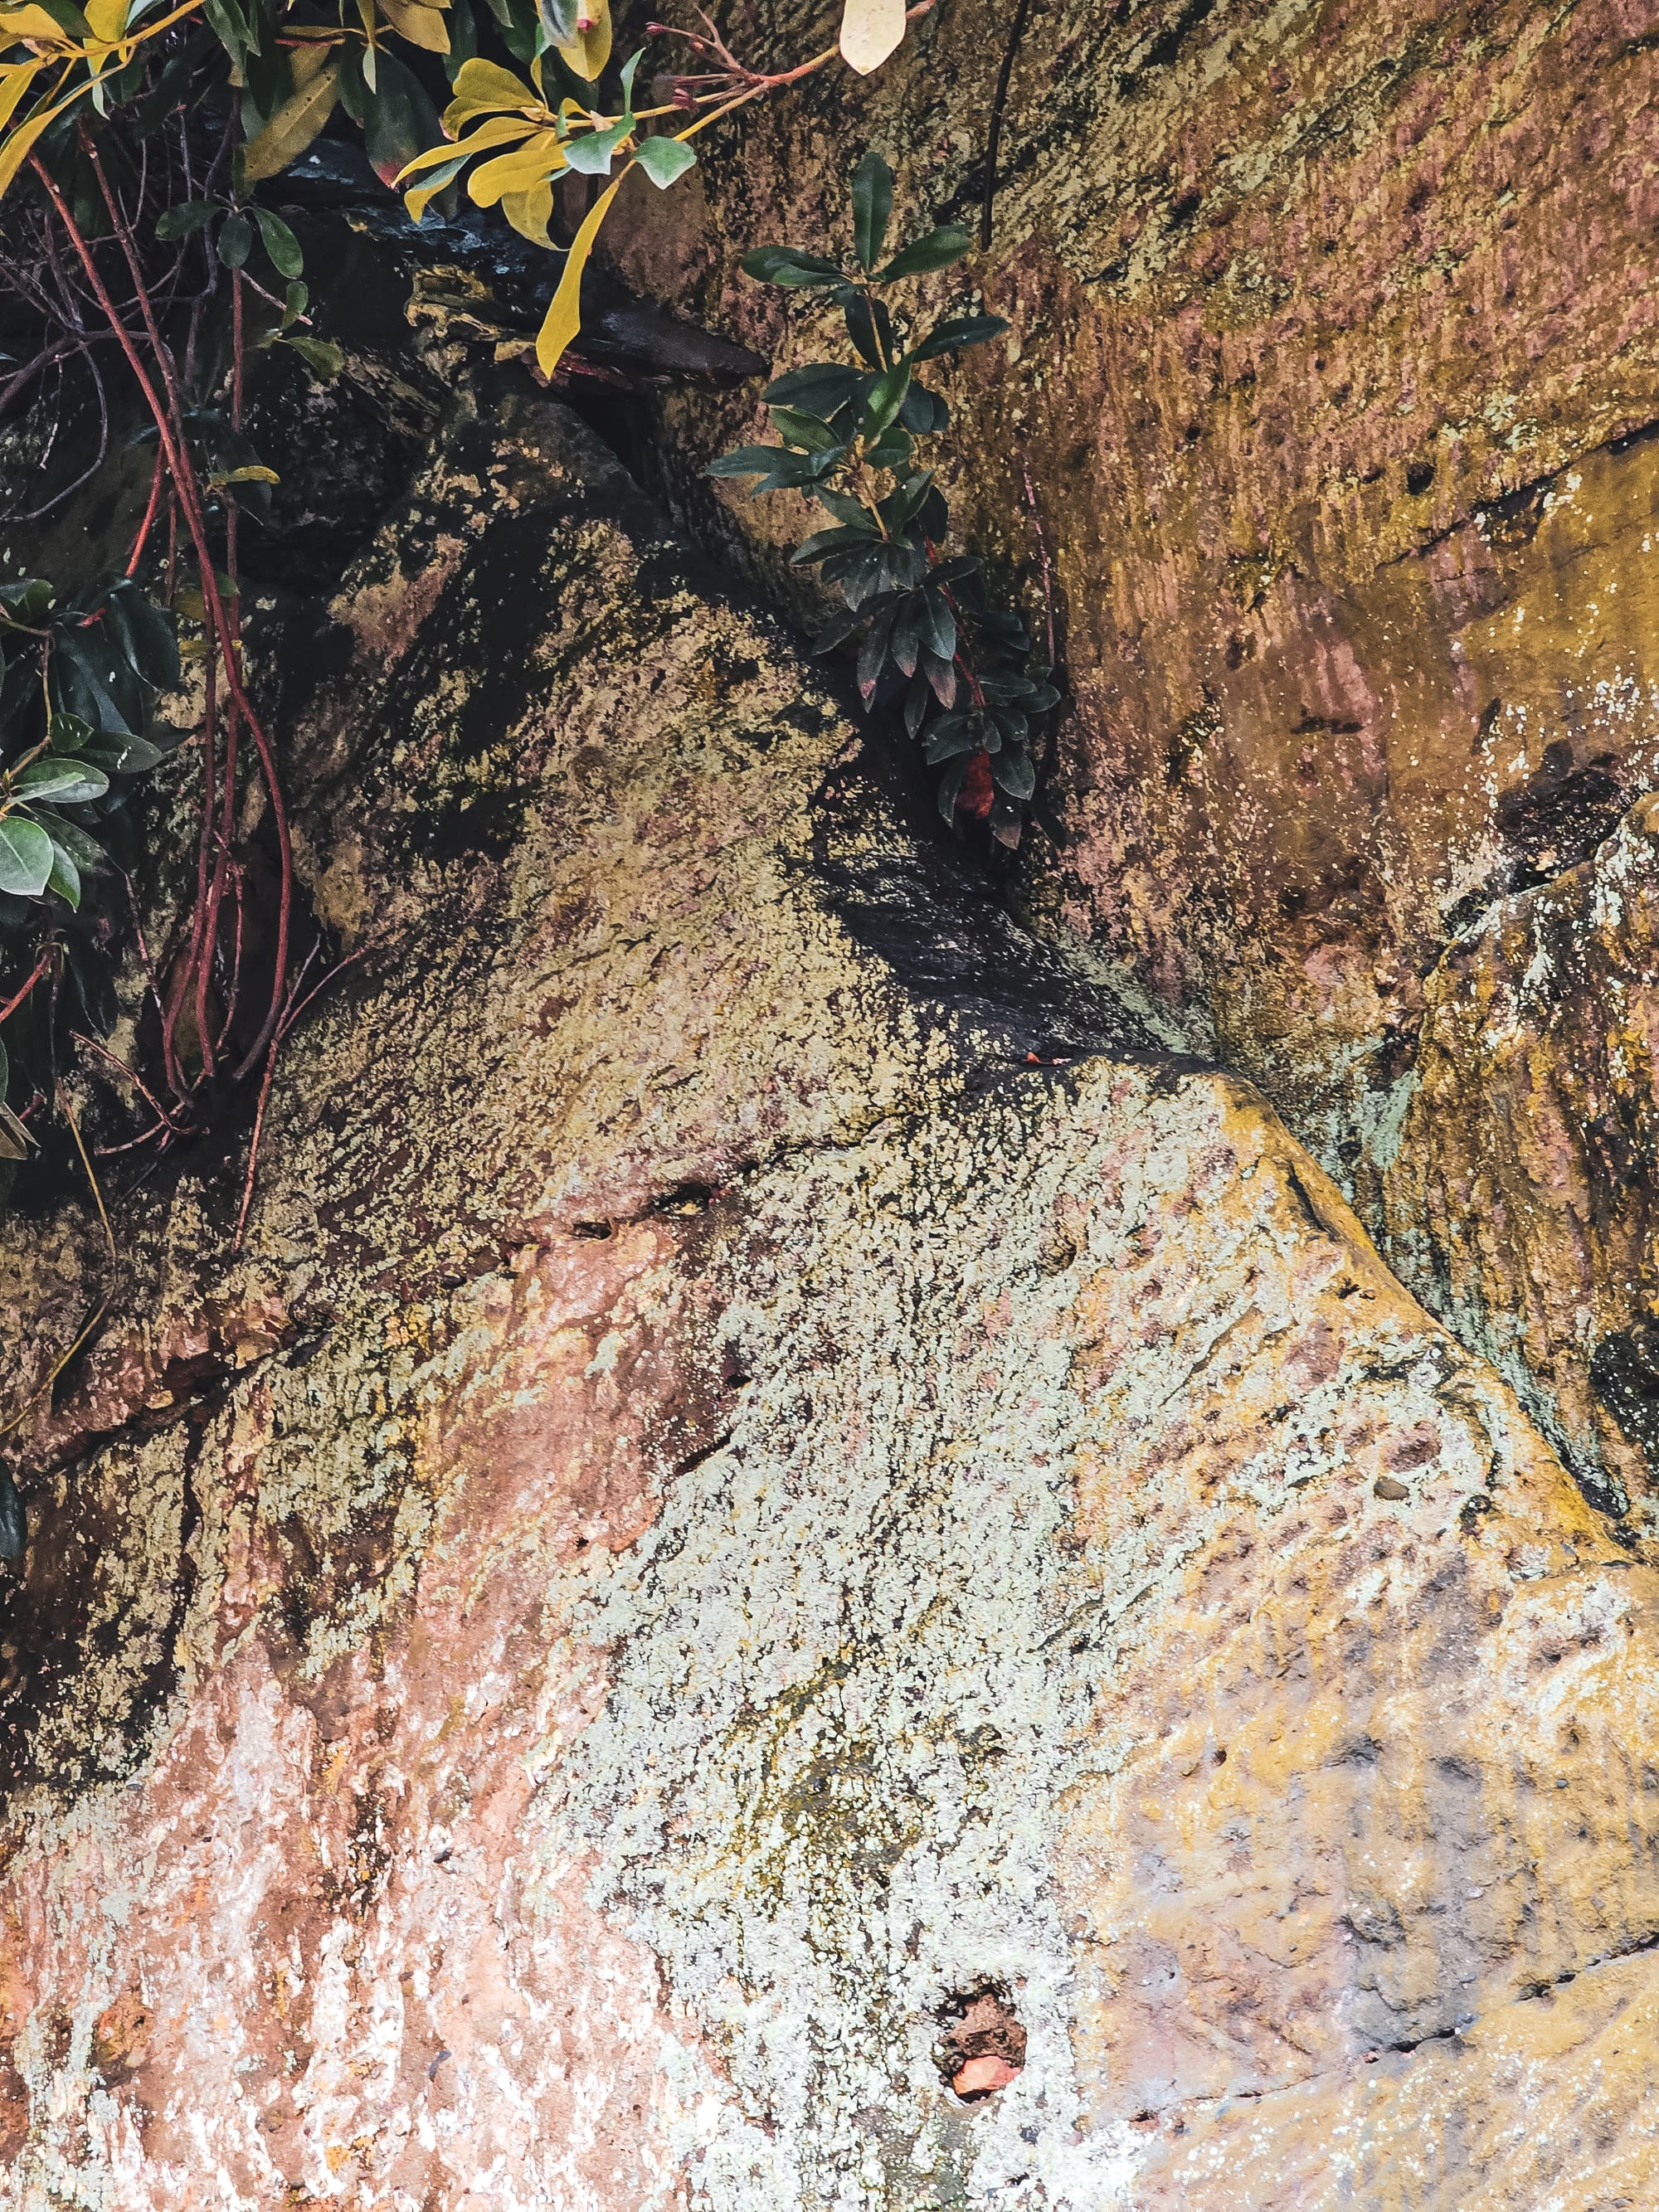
x=1520 y=1183
x=774 y=1468
x=1332 y=373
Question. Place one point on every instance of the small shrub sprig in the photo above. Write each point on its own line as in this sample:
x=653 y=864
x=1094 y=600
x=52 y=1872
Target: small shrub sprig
x=922 y=624
x=79 y=680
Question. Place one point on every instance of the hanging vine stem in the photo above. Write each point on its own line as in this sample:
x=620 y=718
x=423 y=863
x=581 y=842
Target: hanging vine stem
x=166 y=409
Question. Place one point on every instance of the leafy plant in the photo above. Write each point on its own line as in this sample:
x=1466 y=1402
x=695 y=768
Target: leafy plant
x=534 y=133
x=135 y=136
x=78 y=686
x=854 y=434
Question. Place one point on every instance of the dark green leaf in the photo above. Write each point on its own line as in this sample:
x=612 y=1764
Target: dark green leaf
x=27 y=599
x=823 y=542
x=885 y=399
x=822 y=388
x=235 y=33
x=281 y=244
x=86 y=852
x=938 y=250
x=950 y=735
x=235 y=241
x=941 y=675
x=870 y=327
x=85 y=683
x=62 y=781
x=938 y=626
x=788 y=266
x=188 y=215
x=25 y=857
x=905 y=642
x=961 y=331
x=1013 y=770
x=65 y=877
x=924 y=411
x=400 y=120
x=797 y=427
x=835 y=631
x=68 y=733
x=130 y=756
x=917 y=701
x=843 y=507
x=891 y=451
x=860 y=573
x=145 y=635
x=745 y=461
x=321 y=355
x=872 y=204
x=949 y=785
x=463 y=37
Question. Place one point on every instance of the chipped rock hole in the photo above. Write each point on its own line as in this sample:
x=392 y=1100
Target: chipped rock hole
x=983 y=2047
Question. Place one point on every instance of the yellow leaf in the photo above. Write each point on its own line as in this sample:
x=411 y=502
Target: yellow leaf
x=564 y=316
x=16 y=148
x=481 y=89
x=421 y=25
x=13 y=84
x=306 y=61
x=870 y=30
x=34 y=25
x=292 y=128
x=590 y=50
x=106 y=18
x=499 y=132
x=528 y=212
x=519 y=171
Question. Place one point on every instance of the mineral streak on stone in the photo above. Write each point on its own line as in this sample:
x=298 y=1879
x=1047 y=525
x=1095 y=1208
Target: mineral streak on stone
x=1331 y=378
x=728 y=1527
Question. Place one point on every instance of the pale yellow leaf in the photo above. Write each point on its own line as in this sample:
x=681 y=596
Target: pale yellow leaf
x=106 y=18
x=34 y=25
x=292 y=128
x=482 y=88
x=18 y=147
x=564 y=316
x=13 y=84
x=590 y=50
x=870 y=30
x=499 y=130
x=421 y=25
x=519 y=171
x=529 y=212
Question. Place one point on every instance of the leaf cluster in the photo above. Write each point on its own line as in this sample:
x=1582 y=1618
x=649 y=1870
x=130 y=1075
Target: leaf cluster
x=851 y=436
x=78 y=685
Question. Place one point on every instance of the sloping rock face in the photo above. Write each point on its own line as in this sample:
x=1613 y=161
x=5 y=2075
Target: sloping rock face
x=775 y=1480
x=1328 y=395
x=1521 y=1181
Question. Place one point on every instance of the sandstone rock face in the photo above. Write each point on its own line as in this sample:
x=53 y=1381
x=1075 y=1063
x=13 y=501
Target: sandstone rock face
x=1332 y=368
x=782 y=1503
x=1520 y=1183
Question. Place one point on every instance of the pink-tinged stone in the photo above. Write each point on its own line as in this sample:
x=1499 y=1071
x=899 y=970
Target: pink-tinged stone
x=980 y=2076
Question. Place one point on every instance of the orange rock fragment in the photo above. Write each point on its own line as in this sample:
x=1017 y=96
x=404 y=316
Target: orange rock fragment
x=980 y=2076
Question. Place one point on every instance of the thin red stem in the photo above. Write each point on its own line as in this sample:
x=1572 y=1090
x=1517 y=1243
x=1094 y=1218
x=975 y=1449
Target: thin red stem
x=138 y=543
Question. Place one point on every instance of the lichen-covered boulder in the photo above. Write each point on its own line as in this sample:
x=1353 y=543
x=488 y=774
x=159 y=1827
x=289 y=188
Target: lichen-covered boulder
x=796 y=1569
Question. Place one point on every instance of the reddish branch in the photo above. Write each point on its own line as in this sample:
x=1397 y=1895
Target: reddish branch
x=167 y=409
